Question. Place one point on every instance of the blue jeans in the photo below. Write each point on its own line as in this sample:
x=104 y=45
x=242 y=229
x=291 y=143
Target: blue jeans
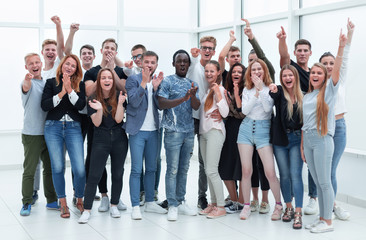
x=318 y=154
x=144 y=143
x=289 y=164
x=339 y=139
x=179 y=149
x=57 y=135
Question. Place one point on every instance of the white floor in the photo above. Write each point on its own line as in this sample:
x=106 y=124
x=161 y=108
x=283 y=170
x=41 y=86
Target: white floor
x=47 y=224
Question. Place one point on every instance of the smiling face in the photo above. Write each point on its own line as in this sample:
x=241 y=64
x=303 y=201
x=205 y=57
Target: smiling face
x=136 y=56
x=69 y=66
x=257 y=70
x=151 y=63
x=34 y=66
x=49 y=52
x=317 y=77
x=109 y=48
x=181 y=64
x=328 y=62
x=207 y=51
x=87 y=57
x=211 y=73
x=237 y=74
x=302 y=53
x=288 y=79
x=106 y=81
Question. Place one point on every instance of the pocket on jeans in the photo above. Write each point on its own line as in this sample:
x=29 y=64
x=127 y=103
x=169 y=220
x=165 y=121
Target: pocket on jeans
x=49 y=123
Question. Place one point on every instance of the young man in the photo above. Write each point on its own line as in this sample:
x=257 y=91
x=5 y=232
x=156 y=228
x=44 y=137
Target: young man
x=178 y=96
x=32 y=136
x=142 y=125
x=109 y=52
x=302 y=52
x=136 y=54
x=197 y=73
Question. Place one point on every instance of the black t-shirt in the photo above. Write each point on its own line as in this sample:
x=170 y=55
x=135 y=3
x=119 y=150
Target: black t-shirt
x=224 y=75
x=294 y=122
x=107 y=120
x=92 y=73
x=304 y=77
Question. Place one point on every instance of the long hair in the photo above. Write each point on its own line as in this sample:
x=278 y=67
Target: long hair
x=112 y=99
x=75 y=78
x=322 y=107
x=210 y=96
x=297 y=92
x=229 y=85
x=266 y=77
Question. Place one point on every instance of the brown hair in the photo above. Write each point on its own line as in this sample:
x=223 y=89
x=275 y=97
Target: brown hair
x=232 y=49
x=297 y=92
x=208 y=39
x=210 y=96
x=229 y=85
x=112 y=40
x=139 y=46
x=112 y=99
x=48 y=41
x=75 y=78
x=322 y=107
x=302 y=42
x=266 y=77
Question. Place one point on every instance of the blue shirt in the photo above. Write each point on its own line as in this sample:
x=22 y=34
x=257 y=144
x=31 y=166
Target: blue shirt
x=179 y=118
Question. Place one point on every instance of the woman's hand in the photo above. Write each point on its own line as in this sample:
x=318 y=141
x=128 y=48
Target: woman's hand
x=122 y=97
x=95 y=104
x=67 y=83
x=273 y=88
x=258 y=83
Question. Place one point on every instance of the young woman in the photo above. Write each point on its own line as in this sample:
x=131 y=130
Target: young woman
x=339 y=138
x=254 y=130
x=286 y=140
x=317 y=135
x=212 y=137
x=230 y=166
x=106 y=111
x=63 y=97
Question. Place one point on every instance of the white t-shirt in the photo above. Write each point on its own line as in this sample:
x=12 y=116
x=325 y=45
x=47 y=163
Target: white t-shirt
x=52 y=72
x=149 y=122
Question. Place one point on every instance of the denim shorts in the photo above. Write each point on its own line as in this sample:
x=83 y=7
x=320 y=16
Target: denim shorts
x=254 y=132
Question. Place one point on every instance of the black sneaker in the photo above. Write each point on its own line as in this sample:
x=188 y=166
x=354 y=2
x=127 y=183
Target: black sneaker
x=34 y=197
x=234 y=208
x=96 y=198
x=164 y=204
x=229 y=203
x=202 y=203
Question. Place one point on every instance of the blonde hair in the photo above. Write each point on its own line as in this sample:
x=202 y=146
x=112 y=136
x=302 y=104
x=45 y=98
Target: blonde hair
x=48 y=41
x=30 y=55
x=266 y=77
x=208 y=39
x=210 y=97
x=322 y=107
x=75 y=78
x=297 y=92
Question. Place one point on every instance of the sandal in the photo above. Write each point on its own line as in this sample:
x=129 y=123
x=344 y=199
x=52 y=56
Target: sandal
x=65 y=213
x=288 y=215
x=297 y=221
x=80 y=205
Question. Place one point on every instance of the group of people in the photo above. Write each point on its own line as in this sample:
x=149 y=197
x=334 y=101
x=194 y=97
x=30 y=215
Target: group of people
x=240 y=137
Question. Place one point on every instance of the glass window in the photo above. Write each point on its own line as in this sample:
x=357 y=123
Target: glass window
x=312 y=3
x=213 y=12
x=19 y=11
x=256 y=8
x=158 y=13
x=326 y=39
x=17 y=43
x=91 y=12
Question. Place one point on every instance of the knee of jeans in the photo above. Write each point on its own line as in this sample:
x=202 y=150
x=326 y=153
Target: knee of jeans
x=325 y=186
x=172 y=172
x=58 y=167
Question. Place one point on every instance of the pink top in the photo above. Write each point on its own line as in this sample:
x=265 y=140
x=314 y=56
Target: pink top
x=206 y=122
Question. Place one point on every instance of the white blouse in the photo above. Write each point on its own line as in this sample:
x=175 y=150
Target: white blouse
x=257 y=108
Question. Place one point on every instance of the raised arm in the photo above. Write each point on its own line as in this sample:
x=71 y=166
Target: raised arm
x=60 y=37
x=338 y=60
x=120 y=108
x=282 y=47
x=74 y=27
x=258 y=50
x=344 y=66
x=226 y=49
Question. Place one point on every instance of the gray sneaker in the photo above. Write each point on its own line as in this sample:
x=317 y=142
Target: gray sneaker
x=104 y=204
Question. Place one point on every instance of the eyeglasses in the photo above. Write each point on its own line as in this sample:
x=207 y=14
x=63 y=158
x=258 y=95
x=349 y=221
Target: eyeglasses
x=138 y=56
x=204 y=48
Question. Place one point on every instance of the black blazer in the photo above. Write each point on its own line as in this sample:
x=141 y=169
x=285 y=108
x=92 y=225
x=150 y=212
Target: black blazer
x=278 y=134
x=65 y=106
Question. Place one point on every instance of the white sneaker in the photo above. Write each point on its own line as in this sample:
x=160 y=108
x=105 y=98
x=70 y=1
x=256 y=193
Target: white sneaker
x=136 y=213
x=312 y=207
x=104 y=204
x=114 y=212
x=310 y=226
x=154 y=208
x=142 y=198
x=84 y=218
x=184 y=209
x=341 y=213
x=173 y=214
x=322 y=227
x=121 y=206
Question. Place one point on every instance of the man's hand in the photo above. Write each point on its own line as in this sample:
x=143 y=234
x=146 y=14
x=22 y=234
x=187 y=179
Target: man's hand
x=129 y=64
x=28 y=77
x=74 y=27
x=110 y=61
x=281 y=34
x=156 y=80
x=216 y=115
x=56 y=20
x=247 y=29
x=195 y=52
